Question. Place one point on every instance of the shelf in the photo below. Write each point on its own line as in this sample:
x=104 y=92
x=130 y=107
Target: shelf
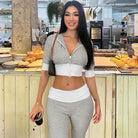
x=5 y=28
x=5 y=12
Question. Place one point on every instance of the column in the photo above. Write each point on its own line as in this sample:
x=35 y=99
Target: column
x=23 y=11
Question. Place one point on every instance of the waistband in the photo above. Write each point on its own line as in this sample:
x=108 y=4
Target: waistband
x=68 y=69
x=69 y=95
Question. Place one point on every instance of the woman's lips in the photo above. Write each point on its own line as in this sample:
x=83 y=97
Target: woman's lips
x=71 y=24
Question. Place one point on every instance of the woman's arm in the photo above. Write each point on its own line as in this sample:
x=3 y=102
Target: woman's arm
x=42 y=85
x=91 y=83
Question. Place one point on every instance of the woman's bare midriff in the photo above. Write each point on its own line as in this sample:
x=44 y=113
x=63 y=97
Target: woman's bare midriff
x=68 y=83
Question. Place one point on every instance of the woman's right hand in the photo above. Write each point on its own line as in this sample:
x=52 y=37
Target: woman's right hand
x=36 y=109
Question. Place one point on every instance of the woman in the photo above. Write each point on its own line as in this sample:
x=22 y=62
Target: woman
x=69 y=98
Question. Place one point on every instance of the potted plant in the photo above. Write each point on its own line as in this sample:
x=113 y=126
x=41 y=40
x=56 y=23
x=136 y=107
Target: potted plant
x=54 y=9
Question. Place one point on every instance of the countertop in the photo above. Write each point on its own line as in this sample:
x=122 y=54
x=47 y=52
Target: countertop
x=97 y=72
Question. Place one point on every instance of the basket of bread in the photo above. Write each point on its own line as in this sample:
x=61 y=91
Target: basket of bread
x=38 y=53
x=124 y=62
x=33 y=59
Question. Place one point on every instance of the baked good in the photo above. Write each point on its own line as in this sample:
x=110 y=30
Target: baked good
x=30 y=59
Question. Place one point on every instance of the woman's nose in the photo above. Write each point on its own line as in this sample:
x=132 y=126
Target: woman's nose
x=71 y=17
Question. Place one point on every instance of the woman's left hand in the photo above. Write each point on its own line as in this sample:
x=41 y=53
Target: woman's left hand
x=97 y=116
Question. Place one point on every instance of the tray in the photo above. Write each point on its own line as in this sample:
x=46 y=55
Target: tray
x=29 y=66
x=127 y=67
x=105 y=54
x=103 y=62
x=37 y=63
x=20 y=69
x=124 y=71
x=36 y=66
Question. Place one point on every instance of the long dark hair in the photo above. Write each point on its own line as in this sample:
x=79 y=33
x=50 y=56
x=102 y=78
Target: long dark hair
x=81 y=30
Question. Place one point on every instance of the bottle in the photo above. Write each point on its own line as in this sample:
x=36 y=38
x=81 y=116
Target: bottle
x=38 y=119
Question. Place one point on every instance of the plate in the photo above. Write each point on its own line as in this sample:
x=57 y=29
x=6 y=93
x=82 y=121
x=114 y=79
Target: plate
x=5 y=55
x=5 y=58
x=19 y=56
x=10 y=64
x=5 y=50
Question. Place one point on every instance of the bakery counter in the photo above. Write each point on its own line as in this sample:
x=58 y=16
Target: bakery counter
x=12 y=71
x=19 y=71
x=18 y=91
x=116 y=72
x=99 y=70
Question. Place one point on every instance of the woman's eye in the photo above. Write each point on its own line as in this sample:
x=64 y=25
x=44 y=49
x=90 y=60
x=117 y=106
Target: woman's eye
x=76 y=14
x=66 y=14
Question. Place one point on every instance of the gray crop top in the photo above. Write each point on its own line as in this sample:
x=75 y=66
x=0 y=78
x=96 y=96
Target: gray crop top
x=66 y=64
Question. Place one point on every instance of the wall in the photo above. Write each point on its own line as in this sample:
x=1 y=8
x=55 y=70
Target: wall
x=42 y=11
x=107 y=16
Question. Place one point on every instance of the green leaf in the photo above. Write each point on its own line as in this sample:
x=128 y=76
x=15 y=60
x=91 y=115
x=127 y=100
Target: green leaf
x=50 y=12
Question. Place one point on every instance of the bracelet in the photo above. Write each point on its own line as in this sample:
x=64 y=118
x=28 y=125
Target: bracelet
x=37 y=103
x=96 y=100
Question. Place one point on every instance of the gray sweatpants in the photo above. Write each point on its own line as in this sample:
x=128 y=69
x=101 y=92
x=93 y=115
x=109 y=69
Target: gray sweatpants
x=60 y=113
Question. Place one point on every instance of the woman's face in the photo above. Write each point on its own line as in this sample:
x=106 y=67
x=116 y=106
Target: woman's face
x=71 y=18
